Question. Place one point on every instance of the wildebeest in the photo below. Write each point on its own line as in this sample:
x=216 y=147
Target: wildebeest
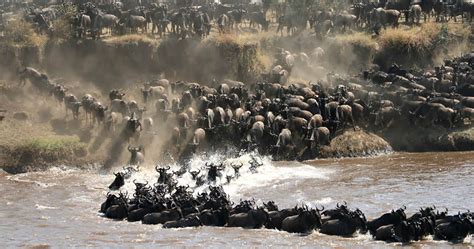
x=305 y=222
x=162 y=217
x=259 y=18
x=136 y=157
x=82 y=24
x=153 y=93
x=253 y=219
x=391 y=218
x=104 y=21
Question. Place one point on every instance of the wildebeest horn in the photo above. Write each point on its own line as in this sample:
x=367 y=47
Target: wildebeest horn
x=404 y=207
x=168 y=168
x=345 y=203
x=337 y=205
x=320 y=210
x=134 y=181
x=157 y=168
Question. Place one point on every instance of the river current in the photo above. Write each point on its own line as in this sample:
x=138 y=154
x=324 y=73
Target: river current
x=59 y=207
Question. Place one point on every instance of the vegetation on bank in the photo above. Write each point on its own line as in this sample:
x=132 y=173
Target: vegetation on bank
x=420 y=45
x=408 y=45
x=25 y=146
x=132 y=39
x=20 y=33
x=41 y=153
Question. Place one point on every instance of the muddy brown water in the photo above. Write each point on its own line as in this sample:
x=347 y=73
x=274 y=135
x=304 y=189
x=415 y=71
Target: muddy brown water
x=58 y=208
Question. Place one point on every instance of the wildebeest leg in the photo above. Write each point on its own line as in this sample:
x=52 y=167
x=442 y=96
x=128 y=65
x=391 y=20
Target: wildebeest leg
x=352 y=122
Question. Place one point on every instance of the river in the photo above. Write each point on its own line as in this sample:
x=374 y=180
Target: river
x=58 y=208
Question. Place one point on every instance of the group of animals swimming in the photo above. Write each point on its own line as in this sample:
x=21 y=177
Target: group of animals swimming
x=283 y=119
x=173 y=206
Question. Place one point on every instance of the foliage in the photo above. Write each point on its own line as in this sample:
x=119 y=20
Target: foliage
x=62 y=26
x=20 y=33
x=132 y=38
x=41 y=151
x=420 y=41
x=54 y=143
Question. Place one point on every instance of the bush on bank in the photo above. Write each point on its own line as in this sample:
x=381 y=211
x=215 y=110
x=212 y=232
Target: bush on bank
x=419 y=45
x=40 y=153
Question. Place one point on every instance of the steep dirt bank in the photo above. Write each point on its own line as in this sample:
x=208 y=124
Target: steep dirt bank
x=114 y=63
x=430 y=139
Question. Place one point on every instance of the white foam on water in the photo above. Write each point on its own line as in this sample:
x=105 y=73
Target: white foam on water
x=269 y=174
x=41 y=207
x=325 y=200
x=19 y=178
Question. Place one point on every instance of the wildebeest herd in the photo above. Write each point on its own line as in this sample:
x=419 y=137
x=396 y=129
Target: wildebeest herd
x=287 y=121
x=179 y=206
x=114 y=17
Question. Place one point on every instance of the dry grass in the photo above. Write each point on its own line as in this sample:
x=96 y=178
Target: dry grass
x=246 y=50
x=13 y=133
x=27 y=147
x=414 y=39
x=241 y=39
x=422 y=45
x=132 y=38
x=20 y=33
x=351 y=52
x=358 y=39
x=421 y=39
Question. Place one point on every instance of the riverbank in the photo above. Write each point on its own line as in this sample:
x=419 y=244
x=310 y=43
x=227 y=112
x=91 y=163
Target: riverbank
x=245 y=56
x=44 y=138
x=29 y=146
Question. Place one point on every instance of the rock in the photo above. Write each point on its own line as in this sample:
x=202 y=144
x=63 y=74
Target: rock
x=21 y=116
x=355 y=143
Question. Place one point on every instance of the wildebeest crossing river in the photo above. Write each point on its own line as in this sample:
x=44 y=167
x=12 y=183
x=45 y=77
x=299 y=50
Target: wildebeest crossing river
x=59 y=208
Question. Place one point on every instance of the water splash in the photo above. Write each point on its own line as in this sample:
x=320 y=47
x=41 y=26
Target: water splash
x=269 y=174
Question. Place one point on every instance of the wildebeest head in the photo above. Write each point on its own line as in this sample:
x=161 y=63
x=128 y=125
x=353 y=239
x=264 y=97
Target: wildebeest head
x=163 y=178
x=270 y=206
x=118 y=182
x=139 y=186
x=194 y=174
x=146 y=93
x=237 y=168
x=213 y=172
x=116 y=94
x=401 y=213
x=111 y=200
x=135 y=150
x=196 y=91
